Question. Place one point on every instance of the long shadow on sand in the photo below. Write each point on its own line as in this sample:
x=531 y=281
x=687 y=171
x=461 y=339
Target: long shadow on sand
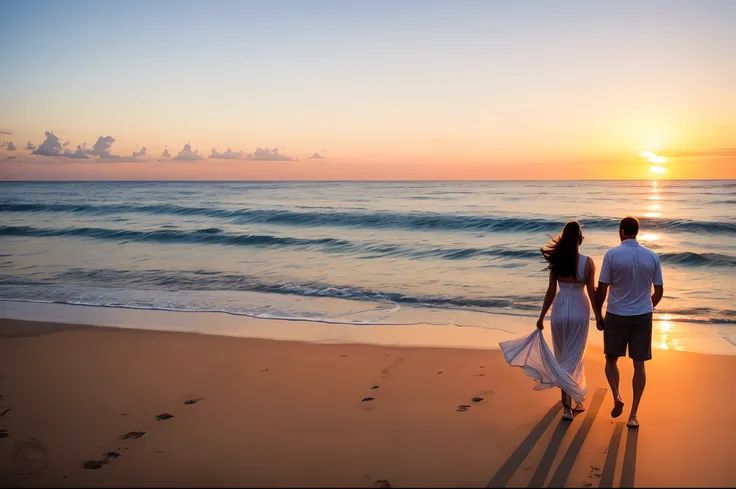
x=509 y=468
x=628 y=471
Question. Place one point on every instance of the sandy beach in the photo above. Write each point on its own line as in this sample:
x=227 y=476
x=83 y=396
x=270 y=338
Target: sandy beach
x=250 y=412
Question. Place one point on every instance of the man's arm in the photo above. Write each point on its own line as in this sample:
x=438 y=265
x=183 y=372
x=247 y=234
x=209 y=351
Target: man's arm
x=658 y=285
x=657 y=296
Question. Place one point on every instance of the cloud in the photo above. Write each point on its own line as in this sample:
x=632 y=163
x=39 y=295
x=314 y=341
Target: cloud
x=141 y=152
x=695 y=154
x=66 y=143
x=187 y=154
x=265 y=154
x=102 y=147
x=80 y=153
x=11 y=146
x=50 y=147
x=7 y=133
x=166 y=153
x=227 y=155
x=30 y=146
x=317 y=156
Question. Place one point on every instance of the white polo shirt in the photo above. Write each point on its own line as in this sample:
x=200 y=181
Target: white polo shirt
x=630 y=269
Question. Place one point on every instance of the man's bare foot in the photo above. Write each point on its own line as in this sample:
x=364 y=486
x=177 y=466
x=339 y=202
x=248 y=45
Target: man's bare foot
x=618 y=408
x=579 y=408
x=633 y=422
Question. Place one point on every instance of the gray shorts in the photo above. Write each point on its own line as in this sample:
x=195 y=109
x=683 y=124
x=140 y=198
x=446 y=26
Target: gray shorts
x=634 y=331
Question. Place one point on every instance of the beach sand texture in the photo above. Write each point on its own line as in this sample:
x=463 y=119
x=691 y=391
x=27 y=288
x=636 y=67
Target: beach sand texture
x=252 y=412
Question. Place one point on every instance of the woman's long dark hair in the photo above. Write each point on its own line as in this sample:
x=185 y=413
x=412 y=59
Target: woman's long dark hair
x=561 y=252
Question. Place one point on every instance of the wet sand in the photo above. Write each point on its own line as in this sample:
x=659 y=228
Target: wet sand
x=248 y=412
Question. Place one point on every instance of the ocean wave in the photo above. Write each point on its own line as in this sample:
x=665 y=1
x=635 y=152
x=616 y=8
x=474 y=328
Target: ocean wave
x=689 y=258
x=191 y=281
x=410 y=221
x=216 y=236
x=214 y=281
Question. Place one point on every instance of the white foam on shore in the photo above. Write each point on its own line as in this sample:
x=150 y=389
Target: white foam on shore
x=673 y=336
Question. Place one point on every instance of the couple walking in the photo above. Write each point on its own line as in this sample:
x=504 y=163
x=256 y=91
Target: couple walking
x=627 y=275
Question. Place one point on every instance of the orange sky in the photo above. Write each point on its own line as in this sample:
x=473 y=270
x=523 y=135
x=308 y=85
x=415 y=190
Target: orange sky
x=379 y=90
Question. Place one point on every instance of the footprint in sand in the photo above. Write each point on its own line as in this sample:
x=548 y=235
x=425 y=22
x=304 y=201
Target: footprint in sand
x=132 y=435
x=4 y=434
x=5 y=412
x=164 y=416
x=462 y=408
x=366 y=399
x=375 y=387
x=387 y=371
x=97 y=464
x=194 y=400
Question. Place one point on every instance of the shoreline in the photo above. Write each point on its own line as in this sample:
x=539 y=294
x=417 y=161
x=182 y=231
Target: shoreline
x=290 y=413
x=667 y=334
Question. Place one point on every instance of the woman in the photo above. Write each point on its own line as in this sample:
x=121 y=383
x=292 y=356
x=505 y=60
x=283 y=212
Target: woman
x=570 y=317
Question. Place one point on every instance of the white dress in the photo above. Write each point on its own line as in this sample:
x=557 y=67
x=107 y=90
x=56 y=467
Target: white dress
x=570 y=322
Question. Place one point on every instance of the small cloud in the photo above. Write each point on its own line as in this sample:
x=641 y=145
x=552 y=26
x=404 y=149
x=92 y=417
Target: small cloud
x=11 y=146
x=227 y=155
x=50 y=147
x=30 y=146
x=7 y=133
x=80 y=153
x=187 y=154
x=316 y=156
x=102 y=147
x=265 y=154
x=141 y=152
x=166 y=153
x=66 y=143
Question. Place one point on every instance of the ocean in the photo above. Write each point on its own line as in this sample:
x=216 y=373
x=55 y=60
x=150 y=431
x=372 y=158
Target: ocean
x=360 y=253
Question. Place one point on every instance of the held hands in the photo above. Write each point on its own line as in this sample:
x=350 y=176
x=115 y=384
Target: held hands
x=599 y=323
x=540 y=324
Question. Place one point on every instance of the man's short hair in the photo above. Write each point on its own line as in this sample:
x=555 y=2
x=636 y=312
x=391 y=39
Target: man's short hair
x=630 y=226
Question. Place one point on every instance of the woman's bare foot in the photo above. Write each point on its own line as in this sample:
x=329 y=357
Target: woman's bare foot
x=579 y=408
x=618 y=408
x=633 y=422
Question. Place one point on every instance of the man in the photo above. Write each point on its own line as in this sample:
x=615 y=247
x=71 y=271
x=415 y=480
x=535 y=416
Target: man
x=630 y=270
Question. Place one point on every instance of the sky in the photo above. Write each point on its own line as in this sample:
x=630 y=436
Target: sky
x=374 y=90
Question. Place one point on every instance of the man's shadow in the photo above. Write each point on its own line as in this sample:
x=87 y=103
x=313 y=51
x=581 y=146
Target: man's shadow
x=628 y=469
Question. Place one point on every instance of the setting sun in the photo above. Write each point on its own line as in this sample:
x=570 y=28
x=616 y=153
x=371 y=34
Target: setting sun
x=656 y=169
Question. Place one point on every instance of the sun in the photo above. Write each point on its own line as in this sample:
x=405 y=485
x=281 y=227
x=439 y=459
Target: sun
x=655 y=160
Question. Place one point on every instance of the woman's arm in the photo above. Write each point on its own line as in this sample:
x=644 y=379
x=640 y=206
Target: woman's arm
x=590 y=286
x=548 y=298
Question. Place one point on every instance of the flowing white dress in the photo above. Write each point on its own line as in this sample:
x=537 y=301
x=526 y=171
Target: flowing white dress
x=570 y=322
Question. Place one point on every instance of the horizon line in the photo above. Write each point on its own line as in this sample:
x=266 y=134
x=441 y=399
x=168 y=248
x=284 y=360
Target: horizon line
x=383 y=181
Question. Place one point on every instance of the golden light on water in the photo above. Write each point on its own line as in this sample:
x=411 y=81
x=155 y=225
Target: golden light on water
x=649 y=236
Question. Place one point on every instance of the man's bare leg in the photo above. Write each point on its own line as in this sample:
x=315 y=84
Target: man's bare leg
x=613 y=376
x=639 y=383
